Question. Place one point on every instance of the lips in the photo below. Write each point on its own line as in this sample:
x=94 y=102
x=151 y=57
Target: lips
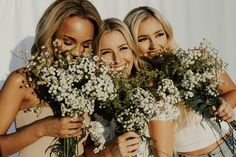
x=152 y=54
x=119 y=67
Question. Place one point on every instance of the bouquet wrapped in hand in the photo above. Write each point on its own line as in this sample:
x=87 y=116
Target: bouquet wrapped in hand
x=195 y=73
x=71 y=85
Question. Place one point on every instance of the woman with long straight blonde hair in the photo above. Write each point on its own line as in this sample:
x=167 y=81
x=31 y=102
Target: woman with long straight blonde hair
x=193 y=136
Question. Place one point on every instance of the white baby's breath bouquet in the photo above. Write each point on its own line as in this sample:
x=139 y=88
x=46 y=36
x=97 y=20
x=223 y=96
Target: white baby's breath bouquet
x=71 y=85
x=134 y=106
x=195 y=73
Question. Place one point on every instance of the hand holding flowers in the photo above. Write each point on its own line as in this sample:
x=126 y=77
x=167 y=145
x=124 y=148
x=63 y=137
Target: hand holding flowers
x=195 y=73
x=71 y=85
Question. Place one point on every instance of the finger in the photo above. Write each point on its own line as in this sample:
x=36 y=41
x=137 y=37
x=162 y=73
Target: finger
x=65 y=120
x=213 y=108
x=225 y=111
x=222 y=114
x=228 y=117
x=221 y=108
x=71 y=133
x=133 y=148
x=133 y=153
x=130 y=134
x=73 y=125
x=77 y=119
x=132 y=141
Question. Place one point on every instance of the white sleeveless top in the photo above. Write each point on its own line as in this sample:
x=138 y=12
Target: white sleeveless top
x=38 y=148
x=197 y=134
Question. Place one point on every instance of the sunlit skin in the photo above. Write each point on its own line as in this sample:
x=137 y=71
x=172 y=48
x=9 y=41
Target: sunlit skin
x=76 y=32
x=151 y=37
x=116 y=52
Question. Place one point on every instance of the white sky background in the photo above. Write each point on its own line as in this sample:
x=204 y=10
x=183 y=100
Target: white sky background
x=191 y=20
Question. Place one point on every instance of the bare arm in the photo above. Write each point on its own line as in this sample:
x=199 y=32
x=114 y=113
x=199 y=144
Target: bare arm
x=161 y=132
x=228 y=93
x=228 y=89
x=12 y=98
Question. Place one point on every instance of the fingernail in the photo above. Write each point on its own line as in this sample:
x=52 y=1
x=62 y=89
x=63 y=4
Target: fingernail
x=72 y=119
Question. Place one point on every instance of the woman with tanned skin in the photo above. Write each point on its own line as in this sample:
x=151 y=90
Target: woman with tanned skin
x=74 y=23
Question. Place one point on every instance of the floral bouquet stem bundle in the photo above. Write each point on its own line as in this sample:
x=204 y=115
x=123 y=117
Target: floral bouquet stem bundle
x=195 y=72
x=134 y=107
x=71 y=86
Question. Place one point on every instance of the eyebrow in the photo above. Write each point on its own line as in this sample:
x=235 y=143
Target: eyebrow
x=158 y=31
x=106 y=49
x=71 y=38
x=124 y=44
x=67 y=36
x=161 y=30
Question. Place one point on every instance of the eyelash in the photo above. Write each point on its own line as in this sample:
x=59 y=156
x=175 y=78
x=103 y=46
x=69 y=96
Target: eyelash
x=123 y=48
x=159 y=34
x=67 y=42
x=141 y=40
x=87 y=45
x=105 y=52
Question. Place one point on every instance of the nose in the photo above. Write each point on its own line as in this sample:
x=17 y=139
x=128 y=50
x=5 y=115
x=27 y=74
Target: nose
x=79 y=50
x=116 y=57
x=152 y=44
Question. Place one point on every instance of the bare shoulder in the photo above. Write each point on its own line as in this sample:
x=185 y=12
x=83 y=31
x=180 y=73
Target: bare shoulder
x=17 y=79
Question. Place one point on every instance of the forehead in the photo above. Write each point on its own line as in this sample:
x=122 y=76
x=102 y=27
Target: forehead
x=113 y=38
x=149 y=25
x=76 y=27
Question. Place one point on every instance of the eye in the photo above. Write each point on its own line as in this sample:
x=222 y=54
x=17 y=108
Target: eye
x=105 y=52
x=124 y=48
x=142 y=39
x=160 y=34
x=87 y=46
x=67 y=41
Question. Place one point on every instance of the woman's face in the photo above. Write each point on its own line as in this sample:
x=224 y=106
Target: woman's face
x=115 y=51
x=151 y=37
x=76 y=33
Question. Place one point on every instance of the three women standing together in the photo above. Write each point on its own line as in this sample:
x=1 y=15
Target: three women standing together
x=144 y=32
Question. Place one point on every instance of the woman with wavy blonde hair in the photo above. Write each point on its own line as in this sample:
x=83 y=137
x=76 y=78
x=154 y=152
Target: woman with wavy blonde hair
x=116 y=47
x=193 y=136
x=74 y=23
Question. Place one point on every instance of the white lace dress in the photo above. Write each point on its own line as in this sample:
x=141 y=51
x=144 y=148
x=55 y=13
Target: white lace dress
x=166 y=113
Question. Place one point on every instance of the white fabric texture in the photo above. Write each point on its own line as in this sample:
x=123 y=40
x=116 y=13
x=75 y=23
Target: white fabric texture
x=197 y=134
x=191 y=20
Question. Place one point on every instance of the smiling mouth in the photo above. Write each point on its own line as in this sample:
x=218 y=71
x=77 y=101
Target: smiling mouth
x=119 y=67
x=151 y=54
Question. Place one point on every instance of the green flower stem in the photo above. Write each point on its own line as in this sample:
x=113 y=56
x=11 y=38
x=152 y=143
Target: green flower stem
x=233 y=124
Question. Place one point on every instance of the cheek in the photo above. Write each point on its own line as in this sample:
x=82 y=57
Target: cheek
x=143 y=47
x=107 y=60
x=129 y=59
x=163 y=42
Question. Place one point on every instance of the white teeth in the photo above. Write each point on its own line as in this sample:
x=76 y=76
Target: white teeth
x=120 y=68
